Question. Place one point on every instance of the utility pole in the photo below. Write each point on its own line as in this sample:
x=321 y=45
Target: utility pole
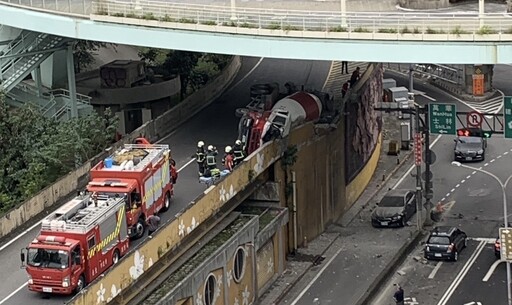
x=417 y=142
x=428 y=158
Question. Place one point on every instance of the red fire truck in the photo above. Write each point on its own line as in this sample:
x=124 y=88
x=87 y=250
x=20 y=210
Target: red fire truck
x=143 y=174
x=76 y=244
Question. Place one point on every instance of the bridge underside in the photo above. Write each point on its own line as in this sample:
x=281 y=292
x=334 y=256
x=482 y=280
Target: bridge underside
x=327 y=46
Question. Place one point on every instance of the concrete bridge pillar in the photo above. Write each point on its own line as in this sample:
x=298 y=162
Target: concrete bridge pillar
x=53 y=70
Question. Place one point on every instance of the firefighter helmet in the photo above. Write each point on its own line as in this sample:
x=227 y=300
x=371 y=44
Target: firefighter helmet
x=210 y=147
x=200 y=144
x=228 y=149
x=238 y=142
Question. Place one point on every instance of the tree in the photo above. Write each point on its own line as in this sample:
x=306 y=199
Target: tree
x=182 y=62
x=35 y=151
x=84 y=51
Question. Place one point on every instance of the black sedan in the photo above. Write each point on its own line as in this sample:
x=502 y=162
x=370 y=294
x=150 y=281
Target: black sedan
x=395 y=209
x=470 y=149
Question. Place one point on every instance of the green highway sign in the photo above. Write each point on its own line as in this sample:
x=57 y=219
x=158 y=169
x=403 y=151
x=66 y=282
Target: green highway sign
x=507 y=116
x=442 y=118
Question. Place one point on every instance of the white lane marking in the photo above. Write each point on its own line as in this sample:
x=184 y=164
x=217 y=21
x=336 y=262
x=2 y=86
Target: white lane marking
x=468 y=176
x=451 y=289
x=485 y=164
x=433 y=273
x=447 y=195
x=491 y=270
x=457 y=185
x=19 y=236
x=462 y=181
x=185 y=165
x=443 y=199
x=316 y=277
x=473 y=173
x=428 y=97
x=492 y=160
x=486 y=239
x=498 y=157
x=328 y=75
x=39 y=222
x=414 y=166
x=452 y=190
x=246 y=75
x=505 y=153
x=13 y=293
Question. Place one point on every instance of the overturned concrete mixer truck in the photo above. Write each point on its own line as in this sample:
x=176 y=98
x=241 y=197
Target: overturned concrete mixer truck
x=269 y=115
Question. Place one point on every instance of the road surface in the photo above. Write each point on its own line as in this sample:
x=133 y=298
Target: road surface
x=215 y=125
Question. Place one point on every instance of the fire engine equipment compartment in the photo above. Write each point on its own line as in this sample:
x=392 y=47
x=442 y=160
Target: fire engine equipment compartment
x=144 y=174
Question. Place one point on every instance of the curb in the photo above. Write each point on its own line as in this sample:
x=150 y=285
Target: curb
x=378 y=189
x=386 y=273
x=292 y=284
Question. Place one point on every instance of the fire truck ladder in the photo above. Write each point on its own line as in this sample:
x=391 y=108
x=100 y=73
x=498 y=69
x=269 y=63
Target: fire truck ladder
x=155 y=152
x=87 y=218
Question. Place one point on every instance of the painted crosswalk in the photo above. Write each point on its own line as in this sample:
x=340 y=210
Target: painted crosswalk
x=493 y=105
x=336 y=79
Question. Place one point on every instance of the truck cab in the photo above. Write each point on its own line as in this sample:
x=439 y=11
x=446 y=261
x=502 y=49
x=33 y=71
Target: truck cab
x=54 y=265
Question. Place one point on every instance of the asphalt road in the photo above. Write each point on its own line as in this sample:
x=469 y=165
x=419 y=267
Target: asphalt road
x=215 y=125
x=474 y=203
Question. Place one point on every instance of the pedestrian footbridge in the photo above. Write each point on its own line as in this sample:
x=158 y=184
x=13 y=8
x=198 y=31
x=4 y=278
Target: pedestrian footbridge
x=462 y=38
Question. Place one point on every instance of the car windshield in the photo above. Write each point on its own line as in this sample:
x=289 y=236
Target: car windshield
x=438 y=240
x=470 y=140
x=48 y=258
x=391 y=201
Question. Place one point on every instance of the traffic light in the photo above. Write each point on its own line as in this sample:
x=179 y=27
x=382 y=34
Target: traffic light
x=474 y=132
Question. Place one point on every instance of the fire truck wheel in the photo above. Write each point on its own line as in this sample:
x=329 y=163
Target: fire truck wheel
x=115 y=257
x=80 y=284
x=140 y=228
x=167 y=202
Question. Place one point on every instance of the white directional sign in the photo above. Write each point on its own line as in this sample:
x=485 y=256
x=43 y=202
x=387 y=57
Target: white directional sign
x=506 y=243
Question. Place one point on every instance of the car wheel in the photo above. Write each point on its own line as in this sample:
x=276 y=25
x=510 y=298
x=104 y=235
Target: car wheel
x=140 y=228
x=456 y=256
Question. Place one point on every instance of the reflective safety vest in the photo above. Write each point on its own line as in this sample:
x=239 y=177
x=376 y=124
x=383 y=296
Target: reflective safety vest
x=210 y=160
x=200 y=156
x=238 y=152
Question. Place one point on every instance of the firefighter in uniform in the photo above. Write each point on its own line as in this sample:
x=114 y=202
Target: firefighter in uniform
x=211 y=162
x=238 y=153
x=201 y=157
x=228 y=159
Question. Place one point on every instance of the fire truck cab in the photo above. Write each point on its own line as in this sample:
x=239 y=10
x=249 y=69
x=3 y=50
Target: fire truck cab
x=76 y=244
x=143 y=174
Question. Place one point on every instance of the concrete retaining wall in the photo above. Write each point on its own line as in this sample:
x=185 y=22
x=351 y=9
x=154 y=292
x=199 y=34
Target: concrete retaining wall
x=154 y=129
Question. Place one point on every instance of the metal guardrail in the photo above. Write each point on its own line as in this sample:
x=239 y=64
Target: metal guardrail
x=316 y=21
x=81 y=98
x=293 y=23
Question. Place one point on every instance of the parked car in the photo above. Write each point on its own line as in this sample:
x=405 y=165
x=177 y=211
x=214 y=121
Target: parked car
x=445 y=243
x=497 y=248
x=394 y=209
x=469 y=149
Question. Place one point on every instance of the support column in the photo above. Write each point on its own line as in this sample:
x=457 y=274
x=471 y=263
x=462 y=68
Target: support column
x=39 y=85
x=71 y=81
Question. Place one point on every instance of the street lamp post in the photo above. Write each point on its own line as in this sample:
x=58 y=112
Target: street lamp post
x=505 y=215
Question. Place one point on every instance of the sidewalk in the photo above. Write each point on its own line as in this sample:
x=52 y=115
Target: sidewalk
x=356 y=256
